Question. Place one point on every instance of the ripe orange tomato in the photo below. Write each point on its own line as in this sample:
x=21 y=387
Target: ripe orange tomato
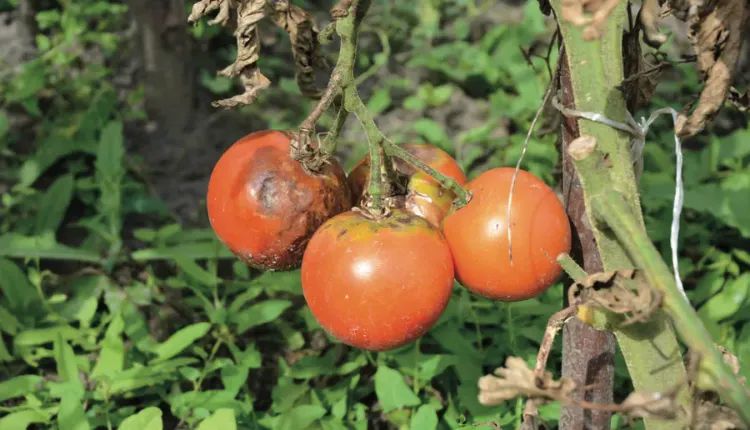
x=265 y=207
x=377 y=284
x=477 y=235
x=424 y=196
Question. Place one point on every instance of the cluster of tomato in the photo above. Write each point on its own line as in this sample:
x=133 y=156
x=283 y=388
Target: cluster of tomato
x=380 y=282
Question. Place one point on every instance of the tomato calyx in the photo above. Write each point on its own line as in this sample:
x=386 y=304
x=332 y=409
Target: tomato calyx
x=305 y=148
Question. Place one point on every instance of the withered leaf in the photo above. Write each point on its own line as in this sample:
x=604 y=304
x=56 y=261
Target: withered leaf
x=293 y=19
x=716 y=33
x=650 y=405
x=517 y=379
x=622 y=292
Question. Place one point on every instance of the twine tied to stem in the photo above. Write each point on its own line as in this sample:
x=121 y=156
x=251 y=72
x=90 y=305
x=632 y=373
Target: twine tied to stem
x=638 y=130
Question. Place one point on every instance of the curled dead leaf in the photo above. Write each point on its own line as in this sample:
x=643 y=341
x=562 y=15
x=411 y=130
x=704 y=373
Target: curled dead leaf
x=517 y=379
x=622 y=292
x=716 y=33
x=649 y=16
x=248 y=13
x=650 y=405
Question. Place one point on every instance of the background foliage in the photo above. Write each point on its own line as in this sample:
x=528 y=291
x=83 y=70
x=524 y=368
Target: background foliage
x=118 y=310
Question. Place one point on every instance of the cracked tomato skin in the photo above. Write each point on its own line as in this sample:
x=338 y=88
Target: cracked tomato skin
x=377 y=284
x=424 y=196
x=478 y=236
x=265 y=207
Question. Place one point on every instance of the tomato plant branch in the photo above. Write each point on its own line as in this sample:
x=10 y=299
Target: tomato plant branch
x=650 y=349
x=611 y=209
x=462 y=195
x=348 y=16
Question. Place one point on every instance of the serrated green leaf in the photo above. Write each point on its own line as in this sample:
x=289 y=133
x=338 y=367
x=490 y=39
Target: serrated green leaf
x=222 y=419
x=392 y=391
x=424 y=419
x=53 y=205
x=182 y=339
x=147 y=419
x=258 y=314
x=19 y=386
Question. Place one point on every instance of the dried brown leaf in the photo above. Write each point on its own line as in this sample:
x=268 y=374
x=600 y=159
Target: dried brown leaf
x=590 y=14
x=716 y=33
x=293 y=19
x=303 y=35
x=649 y=405
x=517 y=379
x=622 y=292
x=709 y=415
x=649 y=17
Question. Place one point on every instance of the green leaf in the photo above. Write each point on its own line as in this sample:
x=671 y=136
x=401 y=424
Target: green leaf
x=196 y=272
x=182 y=339
x=41 y=336
x=65 y=358
x=139 y=376
x=71 y=415
x=432 y=132
x=258 y=314
x=53 y=205
x=4 y=127
x=23 y=419
x=112 y=355
x=392 y=391
x=728 y=301
x=19 y=386
x=301 y=417
x=222 y=419
x=44 y=247
x=109 y=175
x=194 y=251
x=8 y=322
x=234 y=377
x=16 y=287
x=147 y=419
x=424 y=419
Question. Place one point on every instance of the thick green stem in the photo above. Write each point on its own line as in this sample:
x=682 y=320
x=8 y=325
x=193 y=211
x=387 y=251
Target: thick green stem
x=651 y=351
x=611 y=209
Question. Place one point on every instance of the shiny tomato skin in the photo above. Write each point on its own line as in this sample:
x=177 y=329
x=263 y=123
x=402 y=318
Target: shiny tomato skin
x=377 y=284
x=424 y=196
x=265 y=207
x=478 y=239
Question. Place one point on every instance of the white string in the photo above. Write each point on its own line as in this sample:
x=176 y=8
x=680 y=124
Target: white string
x=639 y=131
x=518 y=167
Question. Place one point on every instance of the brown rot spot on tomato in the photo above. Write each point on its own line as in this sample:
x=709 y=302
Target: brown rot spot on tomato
x=264 y=206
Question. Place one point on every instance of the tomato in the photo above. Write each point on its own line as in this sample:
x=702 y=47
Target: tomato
x=424 y=196
x=377 y=284
x=478 y=237
x=265 y=207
